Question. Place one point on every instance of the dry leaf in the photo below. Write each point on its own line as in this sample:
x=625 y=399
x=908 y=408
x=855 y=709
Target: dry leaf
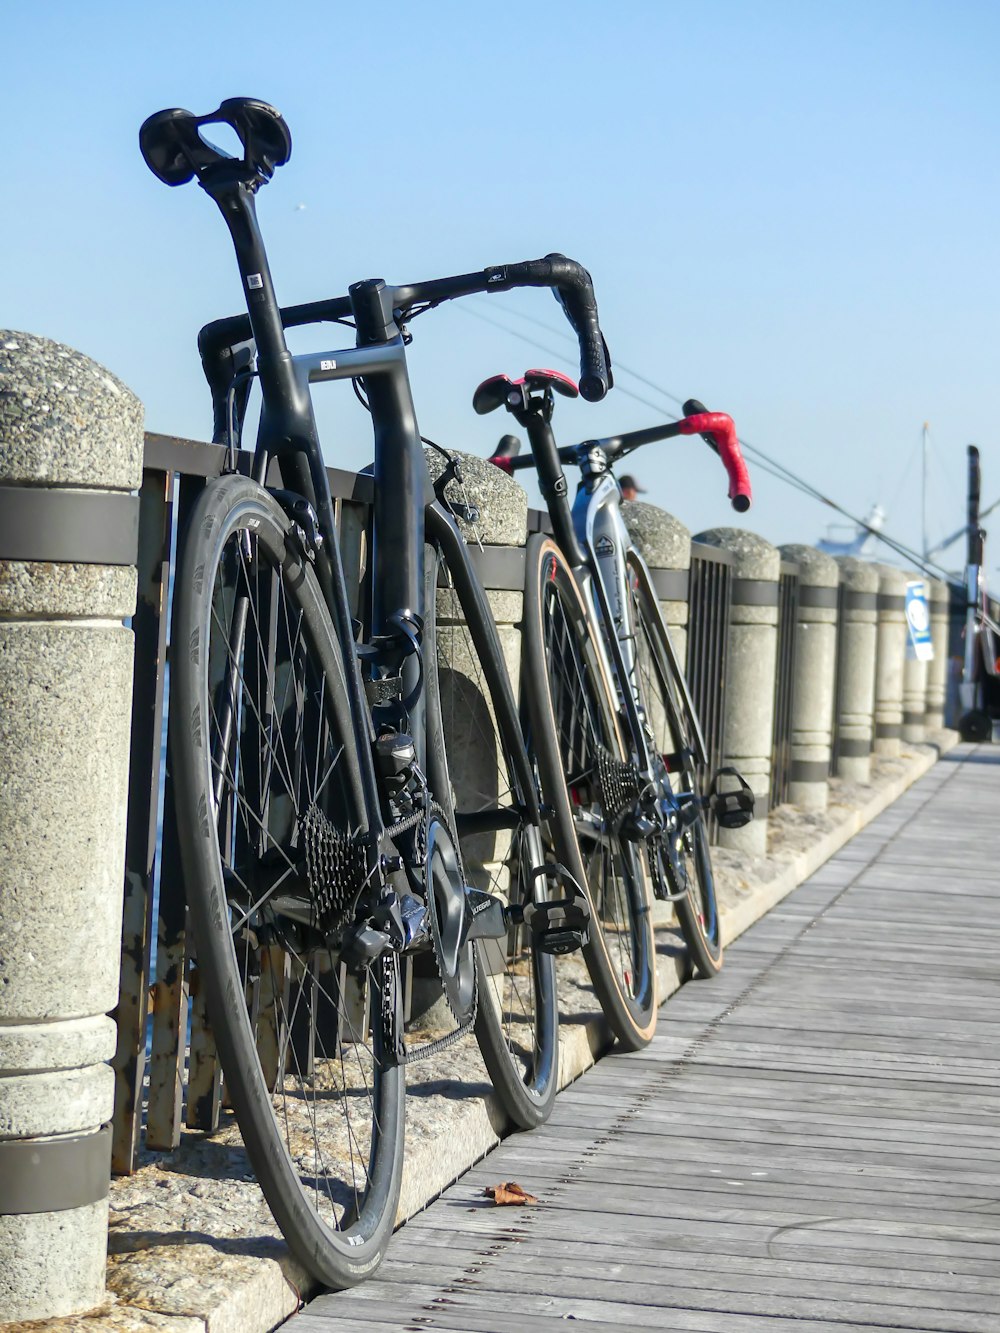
x=509 y=1192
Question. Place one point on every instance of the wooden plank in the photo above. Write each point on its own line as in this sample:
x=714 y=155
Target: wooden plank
x=422 y=1311
x=424 y=1247
x=690 y=1290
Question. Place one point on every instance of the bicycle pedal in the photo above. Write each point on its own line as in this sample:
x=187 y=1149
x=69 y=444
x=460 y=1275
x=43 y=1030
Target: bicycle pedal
x=733 y=808
x=556 y=927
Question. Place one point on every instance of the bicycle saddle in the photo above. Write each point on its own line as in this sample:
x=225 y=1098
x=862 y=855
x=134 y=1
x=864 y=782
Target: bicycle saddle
x=175 y=151
x=492 y=393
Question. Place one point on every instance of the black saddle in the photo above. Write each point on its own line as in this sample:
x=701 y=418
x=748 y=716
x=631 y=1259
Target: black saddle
x=175 y=150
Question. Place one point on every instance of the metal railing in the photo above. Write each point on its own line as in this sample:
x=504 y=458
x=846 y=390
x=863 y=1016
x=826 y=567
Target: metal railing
x=710 y=591
x=784 y=679
x=164 y=1040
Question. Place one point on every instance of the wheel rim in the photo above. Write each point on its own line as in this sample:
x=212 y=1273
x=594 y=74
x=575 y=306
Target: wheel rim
x=612 y=867
x=279 y=781
x=516 y=990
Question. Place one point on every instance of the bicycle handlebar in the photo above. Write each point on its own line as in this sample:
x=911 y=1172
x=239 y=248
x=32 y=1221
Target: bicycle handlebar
x=719 y=432
x=717 y=429
x=574 y=290
x=219 y=340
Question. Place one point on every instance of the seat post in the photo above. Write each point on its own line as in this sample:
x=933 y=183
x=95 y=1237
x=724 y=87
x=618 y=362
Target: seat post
x=551 y=478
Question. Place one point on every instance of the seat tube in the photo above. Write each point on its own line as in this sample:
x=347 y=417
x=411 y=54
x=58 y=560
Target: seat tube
x=402 y=489
x=552 y=484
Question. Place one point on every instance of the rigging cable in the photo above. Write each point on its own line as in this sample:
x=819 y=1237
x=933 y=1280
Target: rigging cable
x=765 y=462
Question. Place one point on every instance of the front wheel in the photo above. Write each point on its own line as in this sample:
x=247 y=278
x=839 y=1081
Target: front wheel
x=586 y=779
x=271 y=820
x=684 y=868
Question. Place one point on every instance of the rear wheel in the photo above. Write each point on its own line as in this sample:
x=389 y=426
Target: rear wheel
x=583 y=765
x=517 y=1018
x=271 y=818
x=685 y=866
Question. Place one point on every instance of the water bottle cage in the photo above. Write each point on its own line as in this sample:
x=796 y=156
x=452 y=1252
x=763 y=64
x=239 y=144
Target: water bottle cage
x=453 y=472
x=733 y=808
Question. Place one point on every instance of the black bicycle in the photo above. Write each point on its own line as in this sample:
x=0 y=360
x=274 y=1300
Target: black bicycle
x=619 y=745
x=322 y=839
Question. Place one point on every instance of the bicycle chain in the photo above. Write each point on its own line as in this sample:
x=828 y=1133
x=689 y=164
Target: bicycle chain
x=442 y=1043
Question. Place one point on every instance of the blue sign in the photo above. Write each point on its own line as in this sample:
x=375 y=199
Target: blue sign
x=918 y=623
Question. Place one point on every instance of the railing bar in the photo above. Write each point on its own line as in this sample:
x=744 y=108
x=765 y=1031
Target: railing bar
x=170 y=989
x=149 y=625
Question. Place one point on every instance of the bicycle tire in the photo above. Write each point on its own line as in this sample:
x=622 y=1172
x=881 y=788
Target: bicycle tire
x=573 y=720
x=672 y=731
x=262 y=750
x=517 y=1017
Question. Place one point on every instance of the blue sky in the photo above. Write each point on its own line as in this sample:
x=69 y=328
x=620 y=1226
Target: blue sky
x=789 y=209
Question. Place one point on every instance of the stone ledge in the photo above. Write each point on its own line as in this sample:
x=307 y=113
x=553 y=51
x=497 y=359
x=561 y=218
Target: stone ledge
x=193 y=1247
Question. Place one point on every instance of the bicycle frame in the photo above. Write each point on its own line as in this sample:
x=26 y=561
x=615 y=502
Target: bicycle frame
x=593 y=538
x=176 y=151
x=405 y=514
x=605 y=542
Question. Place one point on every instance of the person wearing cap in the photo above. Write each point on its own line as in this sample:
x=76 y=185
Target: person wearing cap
x=630 y=488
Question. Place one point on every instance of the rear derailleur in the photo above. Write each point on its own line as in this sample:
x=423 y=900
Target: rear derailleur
x=401 y=920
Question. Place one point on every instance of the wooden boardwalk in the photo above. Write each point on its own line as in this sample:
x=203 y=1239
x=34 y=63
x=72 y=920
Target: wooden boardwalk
x=811 y=1142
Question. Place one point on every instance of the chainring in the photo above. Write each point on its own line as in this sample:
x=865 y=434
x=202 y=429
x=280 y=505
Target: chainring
x=456 y=963
x=669 y=862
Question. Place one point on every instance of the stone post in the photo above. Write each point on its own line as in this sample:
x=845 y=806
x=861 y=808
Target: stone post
x=815 y=669
x=859 y=580
x=914 y=683
x=937 y=667
x=752 y=658
x=890 y=654
x=70 y=454
x=665 y=545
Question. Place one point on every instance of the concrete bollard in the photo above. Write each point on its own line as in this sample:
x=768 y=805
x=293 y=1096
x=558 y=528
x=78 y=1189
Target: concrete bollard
x=477 y=768
x=937 y=667
x=815 y=669
x=665 y=545
x=70 y=453
x=914 y=686
x=752 y=658
x=859 y=580
x=889 y=658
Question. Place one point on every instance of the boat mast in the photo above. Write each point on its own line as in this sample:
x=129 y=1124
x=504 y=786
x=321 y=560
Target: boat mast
x=924 y=548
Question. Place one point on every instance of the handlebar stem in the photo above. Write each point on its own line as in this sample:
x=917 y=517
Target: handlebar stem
x=372 y=306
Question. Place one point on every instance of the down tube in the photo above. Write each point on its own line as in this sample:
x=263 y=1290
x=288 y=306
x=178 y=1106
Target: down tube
x=442 y=530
